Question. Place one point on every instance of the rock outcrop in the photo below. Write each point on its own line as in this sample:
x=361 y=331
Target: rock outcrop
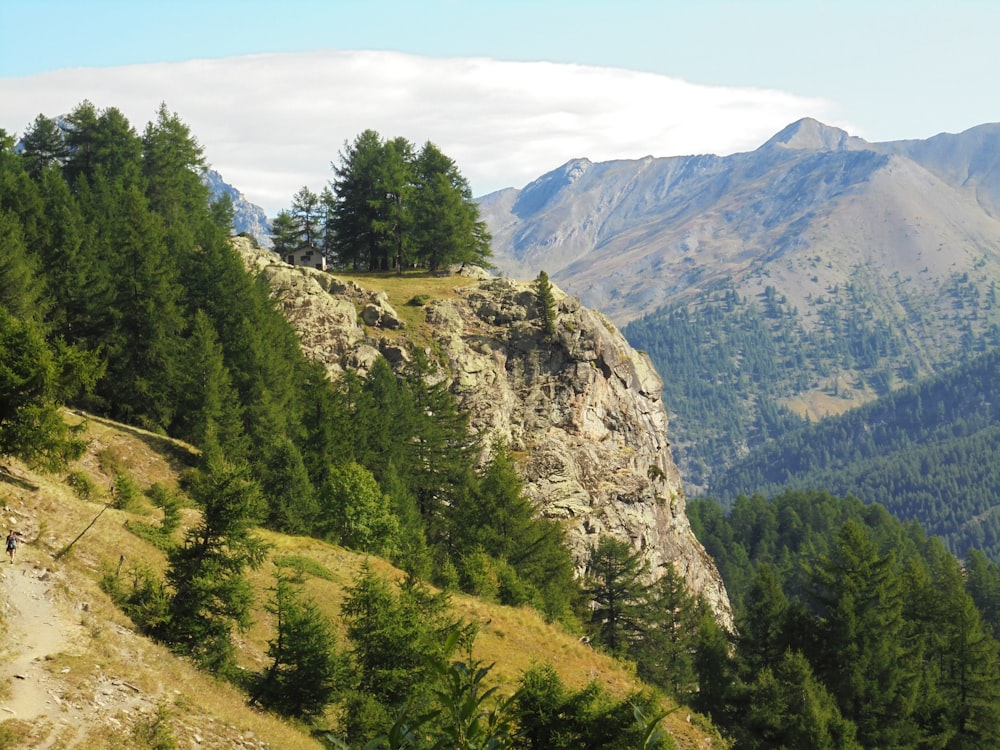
x=580 y=407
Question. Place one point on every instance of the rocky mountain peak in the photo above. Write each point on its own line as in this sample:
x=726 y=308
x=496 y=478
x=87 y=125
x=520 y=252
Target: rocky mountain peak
x=812 y=135
x=581 y=407
x=248 y=217
x=536 y=195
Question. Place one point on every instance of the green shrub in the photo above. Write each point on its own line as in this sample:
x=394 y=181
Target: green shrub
x=303 y=565
x=143 y=598
x=81 y=485
x=125 y=492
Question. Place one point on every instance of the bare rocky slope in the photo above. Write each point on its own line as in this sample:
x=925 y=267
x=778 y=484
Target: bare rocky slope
x=581 y=409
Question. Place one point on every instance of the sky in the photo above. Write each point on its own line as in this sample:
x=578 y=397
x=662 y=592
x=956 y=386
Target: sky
x=510 y=89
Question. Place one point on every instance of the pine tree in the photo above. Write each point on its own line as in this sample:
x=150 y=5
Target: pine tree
x=546 y=303
x=285 y=235
x=445 y=218
x=614 y=580
x=210 y=593
x=862 y=640
x=394 y=636
x=43 y=145
x=665 y=650
x=790 y=709
x=983 y=584
x=31 y=424
x=22 y=290
x=359 y=239
x=762 y=623
x=305 y=213
x=208 y=412
x=173 y=163
x=306 y=670
x=291 y=498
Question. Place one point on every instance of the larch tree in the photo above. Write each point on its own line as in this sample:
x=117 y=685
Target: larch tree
x=211 y=596
x=615 y=582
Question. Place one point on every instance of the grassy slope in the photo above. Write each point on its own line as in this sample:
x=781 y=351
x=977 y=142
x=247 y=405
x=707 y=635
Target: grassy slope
x=51 y=515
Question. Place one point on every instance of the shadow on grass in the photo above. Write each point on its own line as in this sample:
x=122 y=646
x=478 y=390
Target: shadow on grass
x=9 y=477
x=175 y=451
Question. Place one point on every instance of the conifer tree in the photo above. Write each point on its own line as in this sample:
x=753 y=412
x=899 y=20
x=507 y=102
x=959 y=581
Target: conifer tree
x=546 y=303
x=31 y=424
x=445 y=218
x=208 y=413
x=983 y=584
x=211 y=596
x=306 y=670
x=790 y=708
x=664 y=652
x=291 y=498
x=43 y=145
x=305 y=213
x=863 y=640
x=22 y=290
x=762 y=623
x=359 y=240
x=614 y=580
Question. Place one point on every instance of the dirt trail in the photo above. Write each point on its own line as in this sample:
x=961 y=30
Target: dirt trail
x=35 y=633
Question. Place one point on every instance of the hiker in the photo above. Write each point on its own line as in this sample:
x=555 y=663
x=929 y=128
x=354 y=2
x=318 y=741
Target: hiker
x=11 y=545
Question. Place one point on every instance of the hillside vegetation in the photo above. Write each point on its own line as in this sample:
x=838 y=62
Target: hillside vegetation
x=106 y=686
x=927 y=452
x=846 y=613
x=121 y=295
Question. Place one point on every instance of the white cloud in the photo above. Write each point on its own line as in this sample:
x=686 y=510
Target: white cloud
x=272 y=123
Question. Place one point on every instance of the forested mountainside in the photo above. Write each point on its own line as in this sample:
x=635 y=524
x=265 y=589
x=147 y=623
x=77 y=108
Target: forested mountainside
x=575 y=403
x=79 y=674
x=853 y=622
x=927 y=452
x=853 y=267
x=122 y=296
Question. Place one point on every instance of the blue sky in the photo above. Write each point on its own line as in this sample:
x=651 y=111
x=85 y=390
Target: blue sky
x=711 y=75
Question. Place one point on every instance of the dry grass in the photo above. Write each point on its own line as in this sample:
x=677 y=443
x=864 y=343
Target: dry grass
x=170 y=693
x=406 y=289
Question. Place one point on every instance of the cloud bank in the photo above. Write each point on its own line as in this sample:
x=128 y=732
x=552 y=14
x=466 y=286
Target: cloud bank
x=272 y=123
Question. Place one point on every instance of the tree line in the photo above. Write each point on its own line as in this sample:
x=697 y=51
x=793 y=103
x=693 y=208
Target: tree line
x=926 y=452
x=854 y=629
x=389 y=207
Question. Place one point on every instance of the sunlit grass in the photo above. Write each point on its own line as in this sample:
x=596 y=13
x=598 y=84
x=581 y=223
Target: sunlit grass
x=104 y=642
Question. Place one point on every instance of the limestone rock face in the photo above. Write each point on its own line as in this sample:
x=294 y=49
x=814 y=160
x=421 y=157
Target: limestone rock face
x=581 y=408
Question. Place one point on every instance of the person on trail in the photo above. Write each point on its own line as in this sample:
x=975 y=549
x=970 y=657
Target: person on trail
x=11 y=545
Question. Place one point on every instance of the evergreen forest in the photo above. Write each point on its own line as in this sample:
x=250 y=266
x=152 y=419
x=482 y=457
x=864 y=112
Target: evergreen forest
x=855 y=629
x=732 y=365
x=926 y=452
x=122 y=297
x=389 y=206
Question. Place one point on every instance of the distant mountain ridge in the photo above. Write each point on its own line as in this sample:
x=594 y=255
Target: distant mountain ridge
x=628 y=236
x=248 y=218
x=851 y=267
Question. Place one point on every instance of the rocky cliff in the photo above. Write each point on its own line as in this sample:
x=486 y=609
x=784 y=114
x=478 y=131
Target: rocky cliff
x=580 y=408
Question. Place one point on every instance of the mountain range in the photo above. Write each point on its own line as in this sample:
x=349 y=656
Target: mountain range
x=797 y=280
x=806 y=210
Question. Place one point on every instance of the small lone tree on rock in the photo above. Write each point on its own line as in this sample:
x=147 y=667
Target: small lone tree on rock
x=546 y=303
